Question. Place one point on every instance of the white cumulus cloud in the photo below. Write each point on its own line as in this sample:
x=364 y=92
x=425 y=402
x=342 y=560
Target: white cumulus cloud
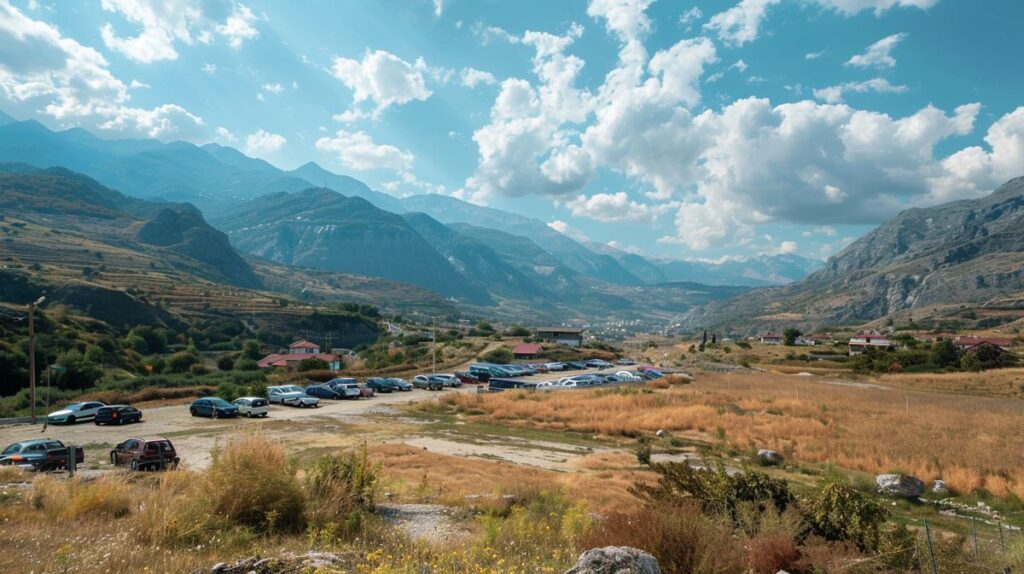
x=615 y=207
x=879 y=54
x=834 y=94
x=568 y=230
x=358 y=151
x=165 y=23
x=263 y=142
x=42 y=70
x=471 y=77
x=382 y=78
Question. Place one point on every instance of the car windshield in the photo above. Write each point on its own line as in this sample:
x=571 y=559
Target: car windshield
x=14 y=448
x=291 y=389
x=74 y=407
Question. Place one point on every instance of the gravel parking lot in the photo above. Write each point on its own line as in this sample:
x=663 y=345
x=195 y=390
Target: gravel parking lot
x=194 y=436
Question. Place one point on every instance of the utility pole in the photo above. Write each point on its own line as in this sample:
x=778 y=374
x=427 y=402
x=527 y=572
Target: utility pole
x=32 y=353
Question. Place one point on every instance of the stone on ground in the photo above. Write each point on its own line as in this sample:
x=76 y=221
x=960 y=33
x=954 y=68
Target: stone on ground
x=615 y=560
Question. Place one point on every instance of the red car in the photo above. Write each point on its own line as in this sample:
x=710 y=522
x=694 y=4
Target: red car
x=467 y=379
x=366 y=392
x=154 y=453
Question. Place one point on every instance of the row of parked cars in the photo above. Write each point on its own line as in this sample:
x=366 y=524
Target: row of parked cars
x=152 y=453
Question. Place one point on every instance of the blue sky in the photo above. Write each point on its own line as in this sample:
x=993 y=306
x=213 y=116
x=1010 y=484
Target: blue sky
x=677 y=129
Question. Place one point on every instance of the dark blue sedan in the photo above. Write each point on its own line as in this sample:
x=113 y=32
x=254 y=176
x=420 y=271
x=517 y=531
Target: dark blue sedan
x=324 y=392
x=213 y=407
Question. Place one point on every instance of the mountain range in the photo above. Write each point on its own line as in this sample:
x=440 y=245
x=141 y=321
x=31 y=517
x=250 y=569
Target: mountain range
x=959 y=260
x=487 y=259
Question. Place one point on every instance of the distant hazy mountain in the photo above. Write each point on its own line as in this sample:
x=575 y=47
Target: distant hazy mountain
x=923 y=260
x=568 y=251
x=324 y=229
x=477 y=263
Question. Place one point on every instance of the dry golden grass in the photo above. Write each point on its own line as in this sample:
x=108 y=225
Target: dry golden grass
x=971 y=442
x=993 y=383
x=418 y=475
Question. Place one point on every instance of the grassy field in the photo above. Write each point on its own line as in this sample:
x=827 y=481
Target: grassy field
x=971 y=442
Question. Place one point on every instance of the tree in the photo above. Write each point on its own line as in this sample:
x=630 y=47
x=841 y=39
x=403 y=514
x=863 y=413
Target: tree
x=789 y=336
x=945 y=354
x=226 y=362
x=181 y=362
x=251 y=349
x=518 y=331
x=312 y=364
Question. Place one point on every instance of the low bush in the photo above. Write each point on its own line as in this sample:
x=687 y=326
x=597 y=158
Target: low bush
x=343 y=489
x=681 y=537
x=251 y=483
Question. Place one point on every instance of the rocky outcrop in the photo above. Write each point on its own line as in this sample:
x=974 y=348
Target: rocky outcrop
x=965 y=252
x=615 y=560
x=899 y=485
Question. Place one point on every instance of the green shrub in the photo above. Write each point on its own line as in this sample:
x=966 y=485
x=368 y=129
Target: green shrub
x=226 y=362
x=841 y=513
x=714 y=488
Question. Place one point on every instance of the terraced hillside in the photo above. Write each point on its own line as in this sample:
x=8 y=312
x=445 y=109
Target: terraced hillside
x=76 y=239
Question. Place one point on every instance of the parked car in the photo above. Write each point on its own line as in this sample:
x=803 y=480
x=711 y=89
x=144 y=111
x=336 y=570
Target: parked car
x=292 y=395
x=155 y=453
x=625 y=361
x=348 y=388
x=575 y=365
x=555 y=366
x=213 y=407
x=39 y=454
x=651 y=372
x=401 y=384
x=628 y=377
x=75 y=413
x=324 y=391
x=467 y=378
x=538 y=367
x=598 y=364
x=117 y=415
x=449 y=380
x=381 y=385
x=252 y=406
x=428 y=382
x=366 y=392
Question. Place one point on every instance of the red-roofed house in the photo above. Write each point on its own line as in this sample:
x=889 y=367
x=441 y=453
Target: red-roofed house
x=865 y=340
x=527 y=351
x=966 y=342
x=298 y=352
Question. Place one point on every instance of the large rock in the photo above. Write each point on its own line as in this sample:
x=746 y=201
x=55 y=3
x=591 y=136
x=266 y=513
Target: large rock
x=615 y=560
x=900 y=485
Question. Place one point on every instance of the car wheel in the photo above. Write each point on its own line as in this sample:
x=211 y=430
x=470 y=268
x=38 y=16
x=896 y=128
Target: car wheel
x=71 y=420
x=194 y=412
x=134 y=464
x=97 y=423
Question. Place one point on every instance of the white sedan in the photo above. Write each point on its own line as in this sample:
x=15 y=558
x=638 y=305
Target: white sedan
x=75 y=413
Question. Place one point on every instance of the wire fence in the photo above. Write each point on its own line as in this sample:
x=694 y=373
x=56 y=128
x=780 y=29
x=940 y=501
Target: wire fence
x=987 y=546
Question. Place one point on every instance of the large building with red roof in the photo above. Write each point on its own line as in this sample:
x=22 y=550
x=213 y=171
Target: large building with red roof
x=298 y=352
